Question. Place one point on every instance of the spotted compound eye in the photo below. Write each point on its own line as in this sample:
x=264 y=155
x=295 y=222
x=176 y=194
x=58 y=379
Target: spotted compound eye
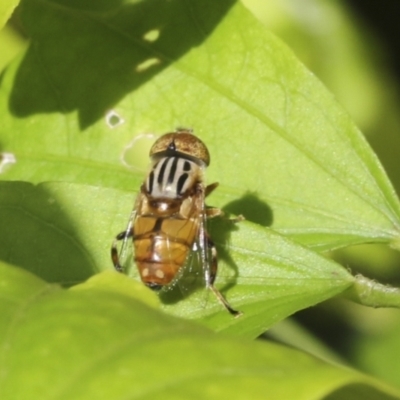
x=182 y=142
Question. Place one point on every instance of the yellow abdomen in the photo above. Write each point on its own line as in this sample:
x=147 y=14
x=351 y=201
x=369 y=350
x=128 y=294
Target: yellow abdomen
x=161 y=247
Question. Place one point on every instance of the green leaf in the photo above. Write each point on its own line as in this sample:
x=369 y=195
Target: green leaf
x=38 y=235
x=67 y=233
x=99 y=74
x=99 y=343
x=6 y=9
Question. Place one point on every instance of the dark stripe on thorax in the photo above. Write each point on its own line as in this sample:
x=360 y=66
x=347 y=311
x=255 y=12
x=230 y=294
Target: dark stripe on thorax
x=151 y=181
x=181 y=182
x=172 y=171
x=160 y=177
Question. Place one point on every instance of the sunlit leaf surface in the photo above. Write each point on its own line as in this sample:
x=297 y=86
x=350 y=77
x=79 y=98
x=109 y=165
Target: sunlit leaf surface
x=285 y=153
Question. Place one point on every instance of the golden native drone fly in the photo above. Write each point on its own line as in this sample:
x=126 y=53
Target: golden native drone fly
x=169 y=217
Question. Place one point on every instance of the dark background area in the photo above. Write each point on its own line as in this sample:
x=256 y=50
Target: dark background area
x=382 y=18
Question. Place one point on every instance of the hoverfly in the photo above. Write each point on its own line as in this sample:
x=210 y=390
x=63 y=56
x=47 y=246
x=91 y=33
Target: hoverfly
x=168 y=220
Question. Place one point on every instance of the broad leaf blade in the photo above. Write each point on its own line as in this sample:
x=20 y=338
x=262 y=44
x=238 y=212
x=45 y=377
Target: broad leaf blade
x=6 y=9
x=272 y=128
x=262 y=274
x=265 y=276
x=96 y=342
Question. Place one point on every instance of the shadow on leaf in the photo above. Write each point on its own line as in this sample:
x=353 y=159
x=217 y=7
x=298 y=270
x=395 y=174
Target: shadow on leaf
x=88 y=59
x=252 y=208
x=39 y=237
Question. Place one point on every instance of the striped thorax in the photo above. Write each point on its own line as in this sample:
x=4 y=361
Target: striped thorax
x=172 y=177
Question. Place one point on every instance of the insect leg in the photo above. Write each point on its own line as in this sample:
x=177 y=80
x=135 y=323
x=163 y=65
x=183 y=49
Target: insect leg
x=125 y=235
x=212 y=212
x=210 y=188
x=211 y=278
